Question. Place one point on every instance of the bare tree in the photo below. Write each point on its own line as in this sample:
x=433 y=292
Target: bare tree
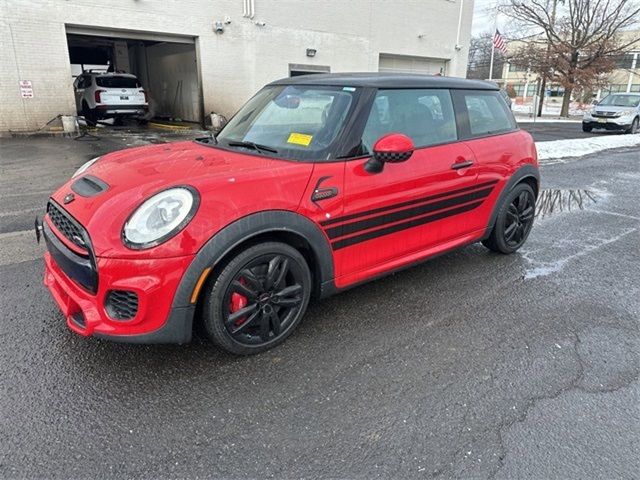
x=480 y=57
x=579 y=45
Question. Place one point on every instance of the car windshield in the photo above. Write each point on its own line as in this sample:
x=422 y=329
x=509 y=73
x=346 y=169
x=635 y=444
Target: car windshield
x=621 y=101
x=117 y=82
x=297 y=122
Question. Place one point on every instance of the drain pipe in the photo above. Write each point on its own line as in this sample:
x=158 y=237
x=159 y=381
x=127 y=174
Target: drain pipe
x=459 y=25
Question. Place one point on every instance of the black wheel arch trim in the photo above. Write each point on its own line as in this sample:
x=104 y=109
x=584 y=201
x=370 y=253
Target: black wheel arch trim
x=245 y=228
x=524 y=172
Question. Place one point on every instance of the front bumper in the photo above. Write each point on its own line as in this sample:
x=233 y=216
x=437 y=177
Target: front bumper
x=608 y=123
x=154 y=282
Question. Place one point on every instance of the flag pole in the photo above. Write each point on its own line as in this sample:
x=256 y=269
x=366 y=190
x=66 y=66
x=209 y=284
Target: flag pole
x=493 y=50
x=493 y=41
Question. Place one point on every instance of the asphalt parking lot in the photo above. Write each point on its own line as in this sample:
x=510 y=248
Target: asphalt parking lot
x=547 y=131
x=473 y=365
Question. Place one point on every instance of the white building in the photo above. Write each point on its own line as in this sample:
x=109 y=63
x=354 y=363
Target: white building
x=199 y=56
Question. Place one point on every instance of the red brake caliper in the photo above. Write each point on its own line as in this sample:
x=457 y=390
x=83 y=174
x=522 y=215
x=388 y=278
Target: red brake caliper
x=238 y=302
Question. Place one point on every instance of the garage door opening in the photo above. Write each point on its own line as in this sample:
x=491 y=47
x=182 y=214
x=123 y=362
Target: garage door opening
x=409 y=64
x=165 y=67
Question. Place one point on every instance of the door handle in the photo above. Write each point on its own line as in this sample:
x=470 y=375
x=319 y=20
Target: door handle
x=463 y=164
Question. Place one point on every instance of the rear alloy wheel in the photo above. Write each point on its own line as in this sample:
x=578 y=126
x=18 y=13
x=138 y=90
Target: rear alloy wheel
x=514 y=220
x=635 y=126
x=258 y=299
x=89 y=115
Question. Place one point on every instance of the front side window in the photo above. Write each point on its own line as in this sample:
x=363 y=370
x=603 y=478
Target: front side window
x=488 y=113
x=424 y=115
x=299 y=122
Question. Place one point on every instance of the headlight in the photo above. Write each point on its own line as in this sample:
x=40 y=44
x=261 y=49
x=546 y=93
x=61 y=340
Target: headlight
x=627 y=113
x=84 y=167
x=160 y=217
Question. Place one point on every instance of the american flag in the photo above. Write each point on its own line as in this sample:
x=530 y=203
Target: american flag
x=499 y=42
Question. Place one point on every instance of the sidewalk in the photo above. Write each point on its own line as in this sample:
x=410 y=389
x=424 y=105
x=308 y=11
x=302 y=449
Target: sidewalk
x=550 y=112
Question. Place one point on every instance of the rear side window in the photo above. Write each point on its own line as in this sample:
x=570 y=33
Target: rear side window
x=117 y=82
x=426 y=116
x=84 y=82
x=487 y=112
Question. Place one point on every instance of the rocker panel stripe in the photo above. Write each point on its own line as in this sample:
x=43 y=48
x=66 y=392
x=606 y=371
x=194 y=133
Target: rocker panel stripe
x=405 y=214
x=347 y=242
x=408 y=203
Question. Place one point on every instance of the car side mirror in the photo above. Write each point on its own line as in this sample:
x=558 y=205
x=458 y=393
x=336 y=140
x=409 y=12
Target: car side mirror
x=391 y=148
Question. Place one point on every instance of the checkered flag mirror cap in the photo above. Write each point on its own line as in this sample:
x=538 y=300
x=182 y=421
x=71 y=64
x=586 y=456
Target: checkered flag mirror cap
x=393 y=148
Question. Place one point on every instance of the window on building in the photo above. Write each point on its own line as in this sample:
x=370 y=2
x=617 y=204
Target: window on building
x=624 y=61
x=426 y=116
x=519 y=89
x=517 y=68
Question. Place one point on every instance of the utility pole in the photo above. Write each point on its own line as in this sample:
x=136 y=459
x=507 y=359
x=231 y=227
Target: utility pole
x=543 y=83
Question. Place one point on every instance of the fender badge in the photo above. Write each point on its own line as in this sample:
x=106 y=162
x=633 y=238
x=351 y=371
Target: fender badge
x=69 y=197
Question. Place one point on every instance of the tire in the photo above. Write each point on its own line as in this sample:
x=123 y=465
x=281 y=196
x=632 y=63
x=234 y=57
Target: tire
x=514 y=220
x=586 y=128
x=635 y=126
x=89 y=115
x=267 y=304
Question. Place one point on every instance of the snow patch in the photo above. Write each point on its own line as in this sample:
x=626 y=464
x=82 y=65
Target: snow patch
x=577 y=147
x=547 y=120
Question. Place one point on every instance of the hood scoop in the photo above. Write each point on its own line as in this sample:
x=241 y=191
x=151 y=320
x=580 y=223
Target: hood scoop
x=89 y=186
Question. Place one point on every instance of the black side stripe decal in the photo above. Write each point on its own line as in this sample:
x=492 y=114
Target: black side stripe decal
x=368 y=223
x=405 y=204
x=401 y=226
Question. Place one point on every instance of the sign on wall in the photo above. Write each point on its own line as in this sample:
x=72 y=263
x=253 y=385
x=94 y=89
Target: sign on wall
x=26 y=89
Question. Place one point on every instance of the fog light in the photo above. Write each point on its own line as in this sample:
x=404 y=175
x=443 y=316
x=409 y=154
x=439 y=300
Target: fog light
x=121 y=304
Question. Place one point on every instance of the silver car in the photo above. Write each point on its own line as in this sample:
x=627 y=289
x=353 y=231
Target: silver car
x=617 y=111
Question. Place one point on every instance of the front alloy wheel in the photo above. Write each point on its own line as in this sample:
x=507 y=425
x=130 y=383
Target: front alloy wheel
x=258 y=299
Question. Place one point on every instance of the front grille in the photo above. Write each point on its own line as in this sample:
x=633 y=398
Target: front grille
x=604 y=114
x=121 y=304
x=66 y=226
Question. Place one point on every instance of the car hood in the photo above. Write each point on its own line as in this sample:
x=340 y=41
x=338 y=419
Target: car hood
x=230 y=184
x=613 y=109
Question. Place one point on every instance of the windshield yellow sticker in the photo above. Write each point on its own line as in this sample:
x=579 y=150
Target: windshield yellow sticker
x=300 y=139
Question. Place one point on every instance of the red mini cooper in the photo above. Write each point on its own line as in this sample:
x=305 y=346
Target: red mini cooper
x=317 y=184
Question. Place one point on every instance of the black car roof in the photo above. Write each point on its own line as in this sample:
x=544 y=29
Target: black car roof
x=386 y=80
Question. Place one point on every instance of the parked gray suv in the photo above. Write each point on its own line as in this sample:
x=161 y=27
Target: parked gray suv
x=618 y=111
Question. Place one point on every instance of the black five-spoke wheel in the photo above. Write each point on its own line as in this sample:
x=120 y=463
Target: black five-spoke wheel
x=519 y=219
x=514 y=221
x=258 y=299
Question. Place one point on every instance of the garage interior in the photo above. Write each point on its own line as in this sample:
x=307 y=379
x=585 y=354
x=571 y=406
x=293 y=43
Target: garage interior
x=166 y=66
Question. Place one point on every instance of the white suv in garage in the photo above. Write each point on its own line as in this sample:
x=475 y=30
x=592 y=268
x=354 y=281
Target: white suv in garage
x=109 y=95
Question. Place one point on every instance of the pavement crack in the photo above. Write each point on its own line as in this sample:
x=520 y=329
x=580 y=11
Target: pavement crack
x=574 y=384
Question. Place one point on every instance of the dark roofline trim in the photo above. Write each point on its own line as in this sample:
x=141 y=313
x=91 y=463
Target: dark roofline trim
x=387 y=80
